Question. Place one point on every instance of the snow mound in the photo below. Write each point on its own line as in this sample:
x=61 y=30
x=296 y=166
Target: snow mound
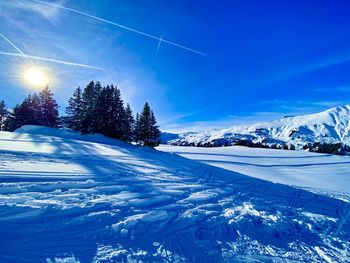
x=65 y=198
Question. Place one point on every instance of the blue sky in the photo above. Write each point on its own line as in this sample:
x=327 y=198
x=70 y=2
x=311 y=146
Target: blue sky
x=265 y=59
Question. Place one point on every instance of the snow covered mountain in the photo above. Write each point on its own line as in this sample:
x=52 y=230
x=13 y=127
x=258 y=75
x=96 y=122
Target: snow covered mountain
x=71 y=198
x=330 y=126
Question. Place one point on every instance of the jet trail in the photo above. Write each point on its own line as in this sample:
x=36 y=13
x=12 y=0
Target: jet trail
x=49 y=60
x=13 y=45
x=160 y=42
x=121 y=26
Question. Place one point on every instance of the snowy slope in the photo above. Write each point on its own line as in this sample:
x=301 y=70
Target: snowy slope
x=330 y=126
x=71 y=198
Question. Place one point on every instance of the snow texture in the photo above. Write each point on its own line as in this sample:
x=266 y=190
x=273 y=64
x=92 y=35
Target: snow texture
x=71 y=198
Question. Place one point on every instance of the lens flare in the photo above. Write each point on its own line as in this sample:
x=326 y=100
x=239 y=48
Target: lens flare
x=35 y=78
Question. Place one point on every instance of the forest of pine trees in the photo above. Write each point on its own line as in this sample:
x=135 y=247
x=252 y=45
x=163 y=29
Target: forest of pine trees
x=37 y=109
x=94 y=109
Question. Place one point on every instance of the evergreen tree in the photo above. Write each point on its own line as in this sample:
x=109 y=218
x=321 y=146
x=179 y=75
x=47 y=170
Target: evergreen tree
x=74 y=111
x=103 y=116
x=49 y=108
x=36 y=108
x=95 y=109
x=27 y=113
x=144 y=127
x=129 y=124
x=154 y=139
x=12 y=122
x=21 y=116
x=95 y=114
x=137 y=129
x=4 y=113
x=118 y=115
x=149 y=133
x=90 y=95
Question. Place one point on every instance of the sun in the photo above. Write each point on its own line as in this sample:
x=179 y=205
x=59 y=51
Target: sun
x=36 y=78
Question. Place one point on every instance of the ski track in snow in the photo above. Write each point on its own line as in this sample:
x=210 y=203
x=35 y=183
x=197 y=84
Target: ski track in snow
x=65 y=198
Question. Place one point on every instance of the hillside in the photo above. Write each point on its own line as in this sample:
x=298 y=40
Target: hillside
x=71 y=198
x=330 y=126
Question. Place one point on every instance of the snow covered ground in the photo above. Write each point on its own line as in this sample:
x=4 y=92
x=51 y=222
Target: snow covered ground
x=319 y=172
x=71 y=198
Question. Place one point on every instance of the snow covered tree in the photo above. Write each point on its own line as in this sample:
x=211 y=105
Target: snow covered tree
x=4 y=113
x=49 y=108
x=74 y=111
x=148 y=130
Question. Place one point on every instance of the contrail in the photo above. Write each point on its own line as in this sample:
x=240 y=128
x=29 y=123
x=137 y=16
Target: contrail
x=121 y=26
x=49 y=60
x=160 y=42
x=13 y=45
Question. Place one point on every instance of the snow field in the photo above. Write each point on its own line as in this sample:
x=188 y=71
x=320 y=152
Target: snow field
x=70 y=198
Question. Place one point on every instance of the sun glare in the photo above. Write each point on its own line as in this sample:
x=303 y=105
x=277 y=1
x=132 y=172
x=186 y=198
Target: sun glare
x=35 y=77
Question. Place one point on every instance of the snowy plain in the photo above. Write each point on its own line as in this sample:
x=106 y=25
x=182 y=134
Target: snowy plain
x=321 y=172
x=71 y=198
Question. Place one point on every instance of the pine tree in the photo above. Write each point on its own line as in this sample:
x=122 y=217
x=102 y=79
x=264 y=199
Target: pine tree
x=95 y=114
x=74 y=111
x=21 y=116
x=144 y=120
x=129 y=124
x=49 y=108
x=12 y=121
x=101 y=118
x=118 y=115
x=27 y=112
x=36 y=108
x=4 y=113
x=149 y=133
x=154 y=139
x=137 y=129
x=90 y=95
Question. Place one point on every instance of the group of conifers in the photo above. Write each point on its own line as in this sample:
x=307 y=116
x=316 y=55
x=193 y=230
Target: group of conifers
x=94 y=109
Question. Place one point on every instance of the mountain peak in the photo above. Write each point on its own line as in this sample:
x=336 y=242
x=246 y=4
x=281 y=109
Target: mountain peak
x=329 y=126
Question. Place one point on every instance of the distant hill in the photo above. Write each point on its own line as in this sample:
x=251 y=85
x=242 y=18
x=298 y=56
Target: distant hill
x=328 y=127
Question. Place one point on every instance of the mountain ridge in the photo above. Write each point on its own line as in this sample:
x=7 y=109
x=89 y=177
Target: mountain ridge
x=331 y=126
